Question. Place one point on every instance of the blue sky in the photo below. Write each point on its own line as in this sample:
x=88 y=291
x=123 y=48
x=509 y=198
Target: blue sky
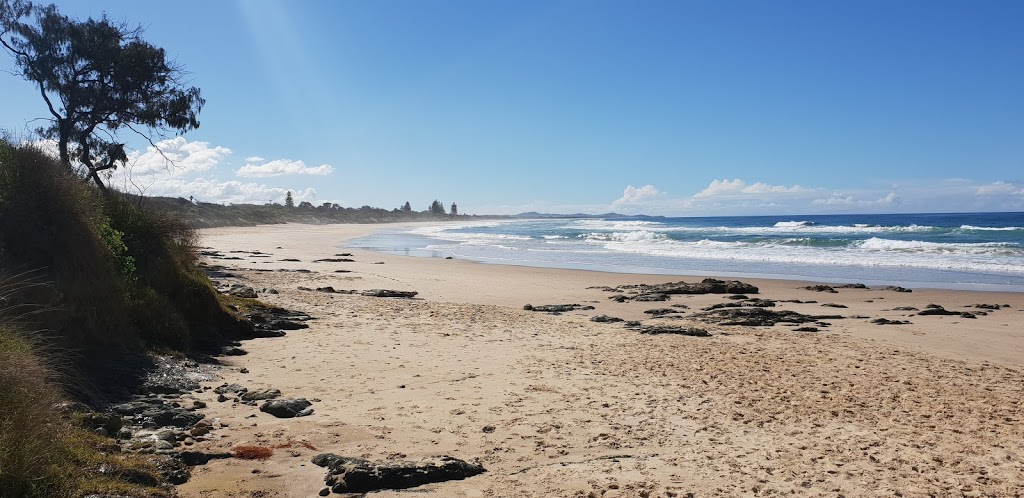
x=687 y=108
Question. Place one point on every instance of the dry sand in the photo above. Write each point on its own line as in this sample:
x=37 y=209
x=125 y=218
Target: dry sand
x=562 y=406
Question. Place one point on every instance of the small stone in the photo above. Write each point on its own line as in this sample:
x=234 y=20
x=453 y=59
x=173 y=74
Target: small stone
x=243 y=370
x=488 y=429
x=198 y=404
x=221 y=398
x=324 y=491
x=163 y=445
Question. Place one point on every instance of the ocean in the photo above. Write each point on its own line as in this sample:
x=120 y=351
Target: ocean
x=977 y=251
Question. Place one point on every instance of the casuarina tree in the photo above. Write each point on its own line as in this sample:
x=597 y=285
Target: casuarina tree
x=98 y=78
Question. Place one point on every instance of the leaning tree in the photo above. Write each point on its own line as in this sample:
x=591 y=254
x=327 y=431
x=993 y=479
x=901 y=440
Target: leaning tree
x=98 y=78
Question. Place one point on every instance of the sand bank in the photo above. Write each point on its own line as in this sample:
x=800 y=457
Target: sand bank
x=557 y=405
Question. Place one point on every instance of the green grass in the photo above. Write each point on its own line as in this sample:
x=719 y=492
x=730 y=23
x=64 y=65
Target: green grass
x=104 y=276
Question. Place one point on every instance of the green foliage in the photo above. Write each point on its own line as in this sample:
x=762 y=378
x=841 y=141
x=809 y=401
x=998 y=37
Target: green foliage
x=289 y=202
x=114 y=240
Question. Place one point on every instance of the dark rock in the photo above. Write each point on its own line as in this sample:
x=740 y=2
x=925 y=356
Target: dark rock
x=986 y=306
x=334 y=260
x=260 y=395
x=821 y=288
x=557 y=308
x=737 y=296
x=851 y=286
x=748 y=303
x=886 y=321
x=806 y=329
x=344 y=255
x=895 y=288
x=324 y=491
x=157 y=413
x=355 y=475
x=388 y=293
x=683 y=306
x=662 y=311
x=285 y=407
x=632 y=324
x=967 y=315
x=291 y=259
x=834 y=305
x=233 y=351
x=342 y=271
x=605 y=319
x=243 y=291
x=193 y=458
x=934 y=309
x=111 y=423
x=669 y=329
x=230 y=388
x=650 y=298
x=797 y=301
x=619 y=298
x=758 y=317
x=904 y=308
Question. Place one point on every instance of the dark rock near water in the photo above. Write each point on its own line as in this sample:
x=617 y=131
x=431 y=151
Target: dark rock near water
x=388 y=293
x=895 y=288
x=556 y=308
x=651 y=298
x=605 y=319
x=737 y=296
x=834 y=305
x=334 y=260
x=759 y=317
x=821 y=288
x=806 y=329
x=287 y=407
x=356 y=475
x=935 y=309
x=850 y=286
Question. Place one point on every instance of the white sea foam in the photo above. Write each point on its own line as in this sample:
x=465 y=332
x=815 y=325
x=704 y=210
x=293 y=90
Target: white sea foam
x=555 y=237
x=998 y=229
x=794 y=224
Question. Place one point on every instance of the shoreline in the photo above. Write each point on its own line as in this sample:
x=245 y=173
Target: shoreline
x=559 y=405
x=952 y=284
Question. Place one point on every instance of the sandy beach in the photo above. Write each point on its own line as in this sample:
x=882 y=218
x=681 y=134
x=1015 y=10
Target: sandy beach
x=559 y=405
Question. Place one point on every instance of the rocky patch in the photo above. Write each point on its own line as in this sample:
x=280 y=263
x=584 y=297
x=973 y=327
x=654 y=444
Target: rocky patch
x=760 y=317
x=886 y=321
x=605 y=319
x=287 y=407
x=895 y=288
x=557 y=308
x=821 y=288
x=356 y=475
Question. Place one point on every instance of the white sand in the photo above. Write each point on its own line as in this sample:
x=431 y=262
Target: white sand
x=586 y=409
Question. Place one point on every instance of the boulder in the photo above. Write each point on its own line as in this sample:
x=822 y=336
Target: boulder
x=356 y=475
x=388 y=293
x=605 y=319
x=286 y=407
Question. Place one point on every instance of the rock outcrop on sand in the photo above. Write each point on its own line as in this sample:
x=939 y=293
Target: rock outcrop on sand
x=821 y=288
x=356 y=475
x=759 y=317
x=746 y=303
x=605 y=319
x=663 y=292
x=287 y=407
x=557 y=308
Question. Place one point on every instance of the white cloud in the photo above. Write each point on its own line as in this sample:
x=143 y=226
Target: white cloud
x=740 y=187
x=212 y=190
x=1000 y=188
x=177 y=157
x=839 y=199
x=633 y=196
x=281 y=167
x=254 y=159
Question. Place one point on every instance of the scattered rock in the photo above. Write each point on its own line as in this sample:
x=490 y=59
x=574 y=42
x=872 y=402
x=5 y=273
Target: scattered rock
x=886 y=321
x=234 y=351
x=821 y=288
x=748 y=303
x=291 y=259
x=895 y=288
x=334 y=260
x=285 y=407
x=669 y=329
x=230 y=388
x=737 y=296
x=355 y=475
x=260 y=395
x=488 y=429
x=605 y=319
x=388 y=293
x=662 y=311
x=651 y=298
x=557 y=308
x=806 y=329
x=834 y=305
x=851 y=286
x=904 y=308
x=759 y=317
x=986 y=306
x=934 y=309
x=632 y=324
